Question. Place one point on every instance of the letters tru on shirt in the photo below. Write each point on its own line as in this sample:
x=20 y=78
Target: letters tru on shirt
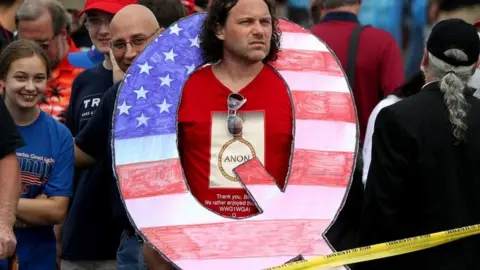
x=90 y=103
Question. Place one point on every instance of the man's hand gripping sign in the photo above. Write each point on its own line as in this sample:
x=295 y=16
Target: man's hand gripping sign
x=240 y=217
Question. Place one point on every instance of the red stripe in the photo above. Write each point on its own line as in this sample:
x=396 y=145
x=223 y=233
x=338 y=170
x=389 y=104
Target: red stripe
x=330 y=106
x=331 y=169
x=258 y=239
x=165 y=177
x=286 y=26
x=308 y=61
x=31 y=179
x=27 y=181
x=150 y=179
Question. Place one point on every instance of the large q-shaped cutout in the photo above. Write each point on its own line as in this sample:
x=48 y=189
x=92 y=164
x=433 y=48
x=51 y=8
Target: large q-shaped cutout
x=149 y=173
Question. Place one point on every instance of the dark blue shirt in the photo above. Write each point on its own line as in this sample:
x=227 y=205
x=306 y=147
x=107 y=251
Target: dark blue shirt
x=90 y=231
x=95 y=140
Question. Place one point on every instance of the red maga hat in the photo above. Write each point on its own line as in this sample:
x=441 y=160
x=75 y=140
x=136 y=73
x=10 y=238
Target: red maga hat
x=109 y=6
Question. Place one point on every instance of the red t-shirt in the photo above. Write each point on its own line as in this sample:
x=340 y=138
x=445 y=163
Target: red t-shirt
x=209 y=154
x=379 y=66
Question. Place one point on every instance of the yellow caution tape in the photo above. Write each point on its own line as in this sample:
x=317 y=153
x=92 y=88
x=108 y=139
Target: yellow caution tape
x=382 y=250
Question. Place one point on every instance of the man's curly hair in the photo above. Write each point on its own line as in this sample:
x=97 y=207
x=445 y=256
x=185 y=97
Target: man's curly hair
x=212 y=47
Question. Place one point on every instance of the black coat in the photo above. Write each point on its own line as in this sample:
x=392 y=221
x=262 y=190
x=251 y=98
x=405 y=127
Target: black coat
x=420 y=182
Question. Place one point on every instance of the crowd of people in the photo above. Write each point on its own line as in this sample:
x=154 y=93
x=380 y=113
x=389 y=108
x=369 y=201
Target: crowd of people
x=60 y=206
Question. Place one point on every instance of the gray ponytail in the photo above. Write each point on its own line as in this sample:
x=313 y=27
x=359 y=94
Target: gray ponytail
x=454 y=80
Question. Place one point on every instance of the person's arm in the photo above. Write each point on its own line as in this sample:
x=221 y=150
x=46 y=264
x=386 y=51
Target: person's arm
x=10 y=188
x=82 y=159
x=52 y=209
x=10 y=183
x=91 y=143
x=391 y=70
x=393 y=150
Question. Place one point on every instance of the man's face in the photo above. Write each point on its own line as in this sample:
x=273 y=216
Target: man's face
x=98 y=26
x=247 y=31
x=129 y=39
x=41 y=31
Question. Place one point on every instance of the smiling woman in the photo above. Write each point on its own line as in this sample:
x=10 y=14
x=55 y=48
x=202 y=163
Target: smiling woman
x=46 y=162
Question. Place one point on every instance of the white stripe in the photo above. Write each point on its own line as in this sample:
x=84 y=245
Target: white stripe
x=241 y=263
x=183 y=209
x=309 y=134
x=325 y=135
x=145 y=149
x=314 y=81
x=302 y=41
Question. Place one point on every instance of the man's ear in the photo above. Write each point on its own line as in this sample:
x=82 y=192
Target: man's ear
x=474 y=67
x=424 y=62
x=2 y=89
x=219 y=32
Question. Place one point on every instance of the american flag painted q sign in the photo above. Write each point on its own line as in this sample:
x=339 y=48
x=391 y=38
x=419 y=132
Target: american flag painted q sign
x=156 y=194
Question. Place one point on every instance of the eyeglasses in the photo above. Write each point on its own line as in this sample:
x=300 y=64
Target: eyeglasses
x=235 y=123
x=45 y=44
x=95 y=24
x=136 y=42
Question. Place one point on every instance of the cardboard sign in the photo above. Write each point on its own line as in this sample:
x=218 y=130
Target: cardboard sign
x=291 y=222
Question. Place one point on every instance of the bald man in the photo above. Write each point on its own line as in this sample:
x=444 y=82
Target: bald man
x=132 y=28
x=131 y=33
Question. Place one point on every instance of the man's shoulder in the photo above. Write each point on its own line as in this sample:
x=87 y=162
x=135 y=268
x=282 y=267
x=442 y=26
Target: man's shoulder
x=378 y=35
x=200 y=77
x=96 y=70
x=96 y=78
x=110 y=96
x=85 y=75
x=201 y=72
x=369 y=33
x=411 y=109
x=113 y=90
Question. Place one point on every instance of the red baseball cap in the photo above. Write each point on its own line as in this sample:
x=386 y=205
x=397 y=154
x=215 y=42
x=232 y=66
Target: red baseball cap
x=190 y=5
x=477 y=24
x=109 y=6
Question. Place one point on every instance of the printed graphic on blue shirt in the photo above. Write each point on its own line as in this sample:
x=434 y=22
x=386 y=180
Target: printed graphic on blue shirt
x=35 y=171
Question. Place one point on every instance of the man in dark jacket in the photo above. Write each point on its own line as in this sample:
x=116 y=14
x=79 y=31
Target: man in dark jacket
x=424 y=175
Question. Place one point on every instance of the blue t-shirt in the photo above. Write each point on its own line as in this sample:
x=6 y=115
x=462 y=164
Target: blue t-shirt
x=46 y=164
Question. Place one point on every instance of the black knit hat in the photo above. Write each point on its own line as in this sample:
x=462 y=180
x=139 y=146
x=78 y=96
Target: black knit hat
x=454 y=34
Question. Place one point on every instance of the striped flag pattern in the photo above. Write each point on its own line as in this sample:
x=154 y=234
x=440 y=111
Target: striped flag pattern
x=149 y=172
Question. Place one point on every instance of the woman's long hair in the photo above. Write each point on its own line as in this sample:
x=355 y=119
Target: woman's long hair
x=453 y=83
